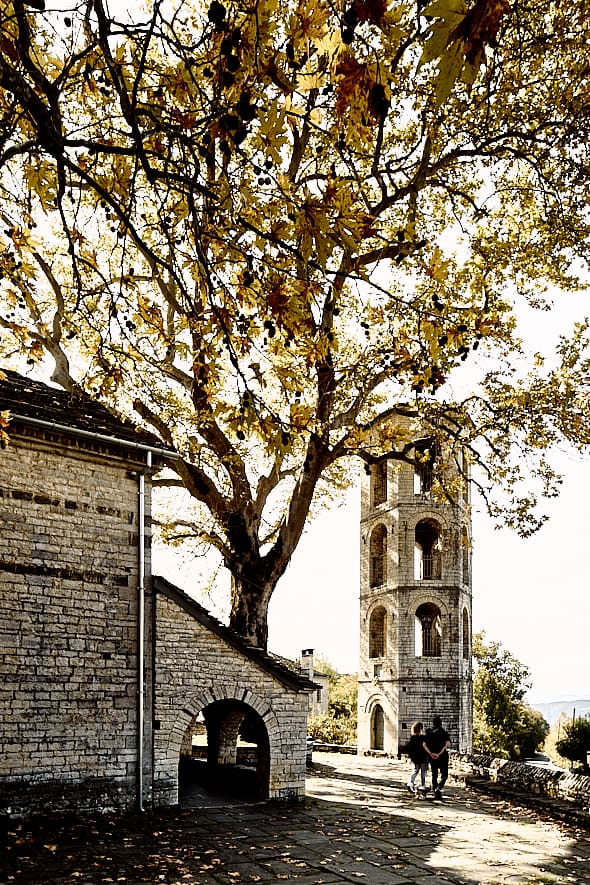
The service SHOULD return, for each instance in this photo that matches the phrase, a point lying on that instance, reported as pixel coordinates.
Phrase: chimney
(307, 662)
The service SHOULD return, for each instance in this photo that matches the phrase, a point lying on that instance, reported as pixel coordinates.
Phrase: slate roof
(26, 398)
(270, 663)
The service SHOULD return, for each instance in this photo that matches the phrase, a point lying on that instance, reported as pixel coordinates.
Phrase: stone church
(415, 600)
(107, 672)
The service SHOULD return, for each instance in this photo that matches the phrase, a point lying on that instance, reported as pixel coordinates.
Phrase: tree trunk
(254, 577)
(249, 611)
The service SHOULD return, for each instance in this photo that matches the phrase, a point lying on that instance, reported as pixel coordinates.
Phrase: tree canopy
(503, 724)
(575, 744)
(264, 230)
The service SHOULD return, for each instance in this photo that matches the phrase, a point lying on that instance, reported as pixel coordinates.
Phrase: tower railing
(431, 567)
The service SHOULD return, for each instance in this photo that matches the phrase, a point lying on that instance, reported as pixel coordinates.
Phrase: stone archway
(229, 712)
(235, 761)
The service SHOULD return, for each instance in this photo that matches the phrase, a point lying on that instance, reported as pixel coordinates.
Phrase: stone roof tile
(27, 398)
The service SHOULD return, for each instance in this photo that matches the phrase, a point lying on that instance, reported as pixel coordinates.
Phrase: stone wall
(197, 669)
(562, 786)
(68, 625)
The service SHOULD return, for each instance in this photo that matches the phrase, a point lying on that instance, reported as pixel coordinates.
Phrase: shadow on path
(357, 825)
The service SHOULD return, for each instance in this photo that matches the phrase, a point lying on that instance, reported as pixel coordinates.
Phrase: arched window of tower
(428, 641)
(465, 634)
(425, 453)
(465, 554)
(377, 633)
(379, 483)
(378, 556)
(427, 549)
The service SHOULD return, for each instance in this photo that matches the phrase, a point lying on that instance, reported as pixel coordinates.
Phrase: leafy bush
(338, 725)
(555, 735)
(502, 724)
(332, 730)
(576, 744)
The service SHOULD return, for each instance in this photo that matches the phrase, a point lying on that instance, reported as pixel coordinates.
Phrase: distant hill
(553, 710)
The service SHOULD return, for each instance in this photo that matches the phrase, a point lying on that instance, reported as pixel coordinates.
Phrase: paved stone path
(359, 825)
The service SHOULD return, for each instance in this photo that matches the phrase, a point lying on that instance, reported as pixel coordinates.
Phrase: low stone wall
(321, 747)
(54, 796)
(520, 777)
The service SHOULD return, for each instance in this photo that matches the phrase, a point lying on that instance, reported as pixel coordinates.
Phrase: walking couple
(432, 748)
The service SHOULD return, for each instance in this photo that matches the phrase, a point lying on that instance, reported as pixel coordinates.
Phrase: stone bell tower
(415, 598)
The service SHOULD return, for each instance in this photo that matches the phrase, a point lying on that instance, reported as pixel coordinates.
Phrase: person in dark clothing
(436, 745)
(418, 756)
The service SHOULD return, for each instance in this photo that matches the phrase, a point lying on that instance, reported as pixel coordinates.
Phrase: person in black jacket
(418, 756)
(436, 745)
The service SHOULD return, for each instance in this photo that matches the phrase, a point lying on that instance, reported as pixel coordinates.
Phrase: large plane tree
(265, 229)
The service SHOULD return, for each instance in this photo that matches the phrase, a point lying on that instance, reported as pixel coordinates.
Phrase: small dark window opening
(425, 453)
(377, 626)
(428, 553)
(428, 631)
(465, 555)
(465, 636)
(379, 483)
(378, 556)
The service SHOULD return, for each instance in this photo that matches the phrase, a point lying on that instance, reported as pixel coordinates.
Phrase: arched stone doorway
(225, 752)
(377, 728)
(203, 668)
